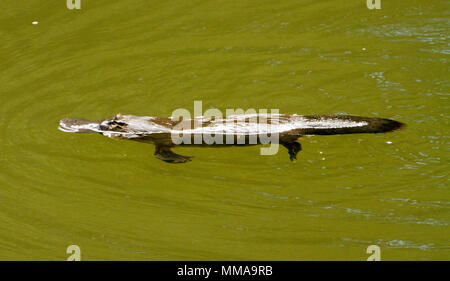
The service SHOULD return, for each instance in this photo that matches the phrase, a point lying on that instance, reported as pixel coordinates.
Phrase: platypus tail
(347, 124)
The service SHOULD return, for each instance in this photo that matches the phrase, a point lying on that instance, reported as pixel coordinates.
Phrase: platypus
(236, 130)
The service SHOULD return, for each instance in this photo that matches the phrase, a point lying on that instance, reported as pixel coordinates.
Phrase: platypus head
(75, 125)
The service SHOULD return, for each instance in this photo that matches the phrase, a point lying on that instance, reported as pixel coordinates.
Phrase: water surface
(117, 202)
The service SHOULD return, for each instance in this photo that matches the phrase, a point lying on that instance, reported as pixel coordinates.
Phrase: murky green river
(115, 201)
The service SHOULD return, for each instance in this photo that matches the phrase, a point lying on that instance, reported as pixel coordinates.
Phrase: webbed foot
(293, 148)
(165, 154)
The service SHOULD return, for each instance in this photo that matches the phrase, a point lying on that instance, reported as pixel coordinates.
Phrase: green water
(117, 202)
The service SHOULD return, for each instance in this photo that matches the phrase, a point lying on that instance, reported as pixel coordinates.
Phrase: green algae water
(115, 201)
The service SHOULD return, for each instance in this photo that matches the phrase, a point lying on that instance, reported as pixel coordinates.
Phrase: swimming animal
(236, 130)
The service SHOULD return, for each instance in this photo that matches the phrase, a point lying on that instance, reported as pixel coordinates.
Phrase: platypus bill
(239, 128)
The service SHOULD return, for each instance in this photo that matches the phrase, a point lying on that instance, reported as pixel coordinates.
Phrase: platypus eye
(109, 125)
(114, 125)
(104, 126)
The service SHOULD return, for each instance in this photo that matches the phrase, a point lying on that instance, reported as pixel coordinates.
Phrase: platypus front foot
(293, 148)
(165, 154)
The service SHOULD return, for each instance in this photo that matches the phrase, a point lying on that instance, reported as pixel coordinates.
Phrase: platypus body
(244, 129)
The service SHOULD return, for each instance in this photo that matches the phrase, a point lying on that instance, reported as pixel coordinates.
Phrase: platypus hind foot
(293, 148)
(165, 154)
